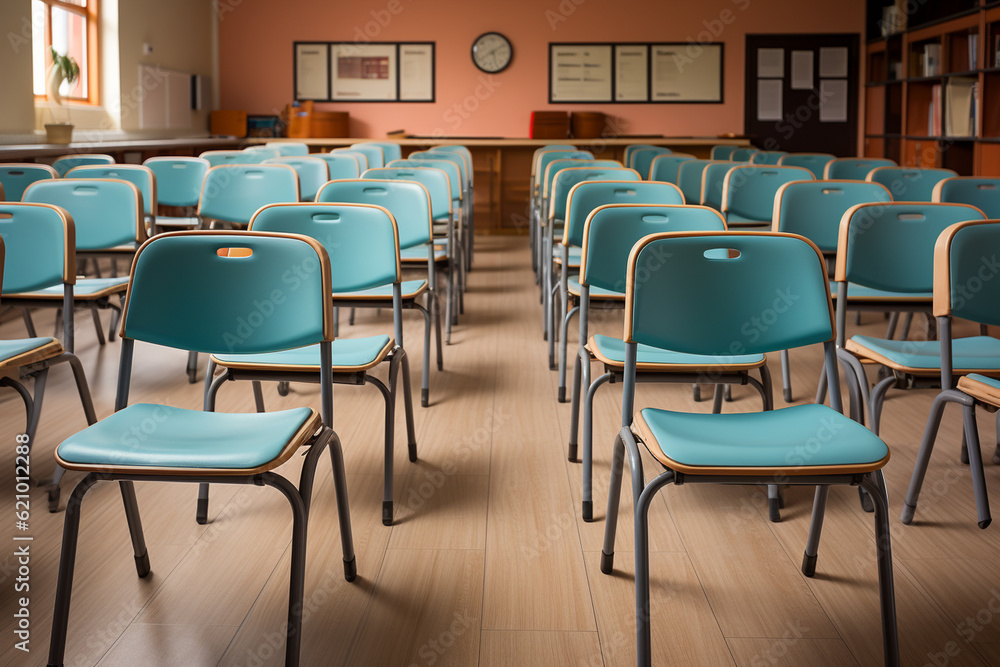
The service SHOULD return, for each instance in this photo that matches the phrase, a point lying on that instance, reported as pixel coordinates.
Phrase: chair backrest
(854, 168)
(360, 239)
(106, 213)
(546, 157)
(263, 152)
(66, 162)
(340, 166)
(458, 150)
(178, 179)
(312, 171)
(376, 158)
(965, 267)
(891, 246)
(586, 196)
(695, 292)
(814, 209)
(15, 177)
(288, 148)
(767, 157)
(612, 230)
(229, 302)
(390, 150)
(408, 201)
(724, 152)
(743, 154)
(234, 192)
(216, 158)
(814, 162)
(748, 191)
(631, 148)
(642, 158)
(689, 175)
(665, 167)
(138, 175)
(360, 156)
(544, 149)
(983, 193)
(435, 180)
(445, 156)
(713, 176)
(41, 247)
(447, 166)
(907, 184)
(554, 167)
(565, 179)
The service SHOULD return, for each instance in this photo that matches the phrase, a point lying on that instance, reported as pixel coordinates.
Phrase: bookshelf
(932, 92)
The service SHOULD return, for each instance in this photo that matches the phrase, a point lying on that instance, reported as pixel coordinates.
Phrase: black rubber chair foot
(696, 392)
(282, 389)
(727, 394)
(412, 447)
(773, 510)
(201, 515)
(562, 394)
(788, 395)
(142, 565)
(552, 364)
(607, 562)
(985, 523)
(866, 501)
(53, 493)
(808, 565)
(571, 455)
(906, 516)
(588, 510)
(386, 512)
(350, 569)
(996, 456)
(192, 376)
(963, 456)
(424, 397)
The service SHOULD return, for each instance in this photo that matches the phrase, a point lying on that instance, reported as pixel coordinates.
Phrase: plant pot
(58, 133)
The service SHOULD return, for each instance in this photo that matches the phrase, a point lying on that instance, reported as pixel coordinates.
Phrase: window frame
(91, 16)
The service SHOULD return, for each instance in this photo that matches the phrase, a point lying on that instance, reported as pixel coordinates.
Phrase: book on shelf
(973, 51)
(932, 60)
(934, 112)
(959, 112)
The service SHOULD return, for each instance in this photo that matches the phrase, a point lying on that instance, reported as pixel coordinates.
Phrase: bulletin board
(364, 72)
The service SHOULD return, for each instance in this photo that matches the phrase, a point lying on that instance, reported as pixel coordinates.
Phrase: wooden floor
(489, 562)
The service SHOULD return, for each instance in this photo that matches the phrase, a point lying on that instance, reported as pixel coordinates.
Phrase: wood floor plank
(505, 648)
(170, 645)
(791, 650)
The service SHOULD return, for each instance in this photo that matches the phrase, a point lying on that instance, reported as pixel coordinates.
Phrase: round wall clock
(492, 52)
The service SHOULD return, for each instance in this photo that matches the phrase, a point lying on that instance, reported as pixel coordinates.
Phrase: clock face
(492, 52)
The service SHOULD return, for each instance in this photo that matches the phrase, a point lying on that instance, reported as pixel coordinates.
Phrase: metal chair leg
(588, 447)
(574, 419)
(141, 554)
(564, 334)
(411, 438)
(389, 442)
(983, 518)
(875, 485)
(28, 323)
(343, 509)
(258, 396)
(425, 380)
(786, 376)
(436, 299)
(815, 529)
(192, 367)
(97, 325)
(642, 612)
(297, 568)
(614, 499)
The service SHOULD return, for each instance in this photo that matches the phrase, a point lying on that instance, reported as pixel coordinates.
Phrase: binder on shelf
(932, 59)
(934, 112)
(973, 51)
(959, 107)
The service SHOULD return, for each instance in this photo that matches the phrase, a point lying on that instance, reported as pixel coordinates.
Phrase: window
(70, 26)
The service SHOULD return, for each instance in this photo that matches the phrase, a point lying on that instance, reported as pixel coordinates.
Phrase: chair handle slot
(624, 192)
(832, 191)
(85, 190)
(234, 252)
(16, 172)
(375, 191)
(4, 215)
(911, 217)
(981, 186)
(326, 217)
(721, 254)
(655, 217)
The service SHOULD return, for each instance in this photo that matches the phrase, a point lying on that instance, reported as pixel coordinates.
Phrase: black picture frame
(331, 47)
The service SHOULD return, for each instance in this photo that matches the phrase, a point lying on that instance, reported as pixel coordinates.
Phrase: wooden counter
(144, 147)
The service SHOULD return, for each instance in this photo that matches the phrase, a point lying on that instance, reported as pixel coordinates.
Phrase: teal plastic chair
(748, 192)
(665, 168)
(743, 154)
(28, 230)
(890, 248)
(854, 168)
(767, 157)
(178, 184)
(537, 206)
(631, 148)
(910, 184)
(359, 156)
(232, 193)
(313, 173)
(983, 193)
(140, 176)
(814, 162)
(288, 148)
(534, 196)
(748, 448)
(376, 158)
(723, 152)
(262, 153)
(339, 166)
(713, 176)
(641, 159)
(410, 206)
(363, 246)
(390, 150)
(689, 175)
(195, 309)
(66, 162)
(219, 158)
(959, 266)
(16, 177)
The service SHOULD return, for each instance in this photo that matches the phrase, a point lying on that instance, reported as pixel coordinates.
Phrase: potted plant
(64, 68)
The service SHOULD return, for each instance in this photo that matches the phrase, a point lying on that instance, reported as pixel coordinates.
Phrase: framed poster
(364, 72)
(312, 71)
(686, 72)
(631, 73)
(580, 73)
(416, 72)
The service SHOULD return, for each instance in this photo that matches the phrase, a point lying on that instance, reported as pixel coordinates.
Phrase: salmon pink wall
(255, 54)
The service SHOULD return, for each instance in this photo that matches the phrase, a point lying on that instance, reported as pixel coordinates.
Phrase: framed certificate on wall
(580, 73)
(686, 72)
(363, 72)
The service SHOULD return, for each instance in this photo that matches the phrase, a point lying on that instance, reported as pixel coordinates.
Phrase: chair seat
(800, 440)
(574, 288)
(923, 357)
(87, 289)
(123, 249)
(981, 388)
(575, 255)
(861, 293)
(349, 355)
(418, 253)
(24, 351)
(145, 438)
(411, 289)
(165, 221)
(611, 352)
